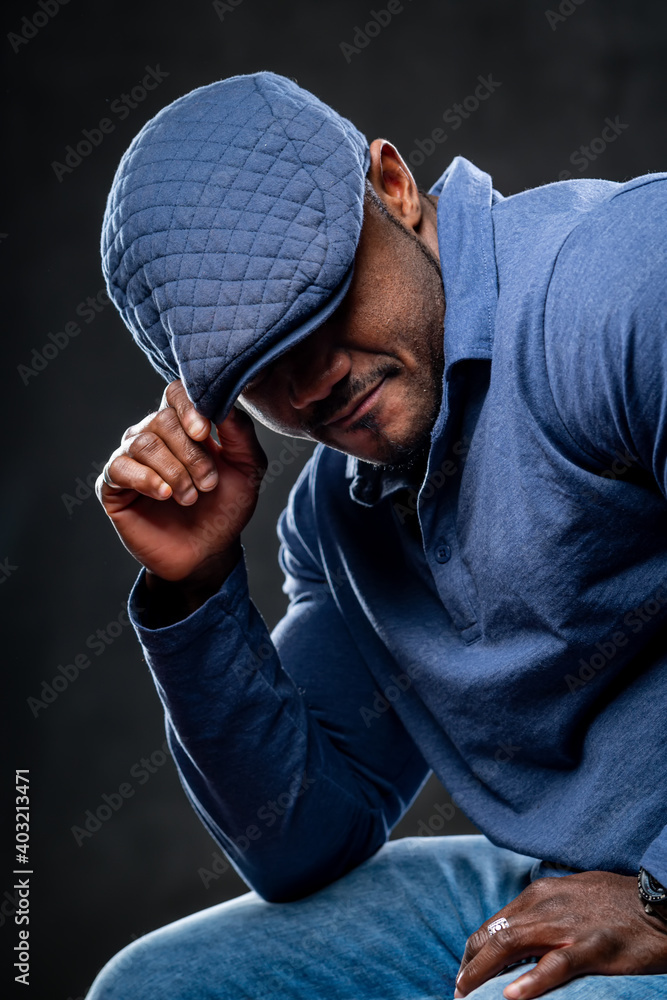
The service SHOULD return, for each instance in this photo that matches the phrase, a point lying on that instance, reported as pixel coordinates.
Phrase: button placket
(437, 519)
(443, 552)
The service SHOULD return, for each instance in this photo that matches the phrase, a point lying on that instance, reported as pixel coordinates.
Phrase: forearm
(287, 805)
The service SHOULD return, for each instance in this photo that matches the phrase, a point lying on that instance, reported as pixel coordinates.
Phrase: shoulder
(613, 243)
(606, 313)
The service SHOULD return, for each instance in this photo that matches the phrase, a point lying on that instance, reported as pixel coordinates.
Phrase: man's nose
(314, 373)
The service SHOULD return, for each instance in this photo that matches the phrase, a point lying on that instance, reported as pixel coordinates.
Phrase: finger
(507, 946)
(474, 944)
(481, 937)
(197, 426)
(107, 480)
(150, 451)
(164, 445)
(555, 968)
(512, 913)
(131, 475)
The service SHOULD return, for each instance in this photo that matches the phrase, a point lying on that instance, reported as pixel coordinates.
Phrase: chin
(388, 452)
(406, 459)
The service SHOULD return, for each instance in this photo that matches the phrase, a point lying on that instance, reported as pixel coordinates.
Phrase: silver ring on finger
(108, 480)
(500, 924)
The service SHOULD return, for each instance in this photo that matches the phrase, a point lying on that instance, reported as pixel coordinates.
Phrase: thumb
(238, 439)
(235, 428)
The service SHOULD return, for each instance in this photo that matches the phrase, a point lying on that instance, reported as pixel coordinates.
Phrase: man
(475, 556)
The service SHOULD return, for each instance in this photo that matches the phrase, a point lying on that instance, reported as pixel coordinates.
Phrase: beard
(403, 457)
(406, 460)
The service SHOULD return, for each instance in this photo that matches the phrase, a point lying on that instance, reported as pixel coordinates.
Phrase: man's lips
(357, 409)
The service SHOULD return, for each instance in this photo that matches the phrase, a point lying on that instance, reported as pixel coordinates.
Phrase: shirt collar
(370, 484)
(470, 280)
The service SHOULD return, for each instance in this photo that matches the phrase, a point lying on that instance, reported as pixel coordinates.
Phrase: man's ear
(394, 184)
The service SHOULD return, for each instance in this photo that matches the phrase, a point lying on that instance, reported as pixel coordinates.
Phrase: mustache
(347, 390)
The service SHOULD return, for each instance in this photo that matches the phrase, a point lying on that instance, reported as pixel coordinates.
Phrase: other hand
(591, 923)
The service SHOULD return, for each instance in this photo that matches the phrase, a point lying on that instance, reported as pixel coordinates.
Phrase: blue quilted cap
(230, 230)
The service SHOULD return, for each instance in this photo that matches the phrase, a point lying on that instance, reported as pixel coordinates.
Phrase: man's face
(368, 382)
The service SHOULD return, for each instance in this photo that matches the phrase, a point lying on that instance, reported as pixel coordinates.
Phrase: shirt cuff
(551, 869)
(655, 858)
(228, 600)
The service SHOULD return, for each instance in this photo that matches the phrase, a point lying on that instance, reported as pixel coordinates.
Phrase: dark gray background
(559, 81)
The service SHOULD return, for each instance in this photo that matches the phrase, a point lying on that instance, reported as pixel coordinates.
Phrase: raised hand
(182, 499)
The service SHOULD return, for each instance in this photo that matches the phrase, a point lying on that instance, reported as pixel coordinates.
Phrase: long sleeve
(267, 733)
(607, 354)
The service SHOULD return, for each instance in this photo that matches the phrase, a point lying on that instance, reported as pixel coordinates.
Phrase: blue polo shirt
(502, 622)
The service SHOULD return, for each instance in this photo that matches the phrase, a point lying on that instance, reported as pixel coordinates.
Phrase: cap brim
(294, 337)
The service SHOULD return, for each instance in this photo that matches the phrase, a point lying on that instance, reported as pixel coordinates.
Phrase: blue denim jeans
(394, 928)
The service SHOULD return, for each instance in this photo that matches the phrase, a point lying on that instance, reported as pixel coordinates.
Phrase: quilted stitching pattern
(232, 220)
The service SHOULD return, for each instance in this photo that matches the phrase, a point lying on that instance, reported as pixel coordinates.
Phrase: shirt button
(442, 553)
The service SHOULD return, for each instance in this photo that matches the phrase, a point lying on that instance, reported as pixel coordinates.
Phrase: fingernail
(210, 480)
(190, 496)
(197, 426)
(513, 991)
(164, 490)
(457, 995)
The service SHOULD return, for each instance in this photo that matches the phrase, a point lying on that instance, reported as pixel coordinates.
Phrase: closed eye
(259, 377)
(254, 382)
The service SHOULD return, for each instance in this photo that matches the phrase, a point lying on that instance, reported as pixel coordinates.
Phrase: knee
(141, 971)
(180, 960)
